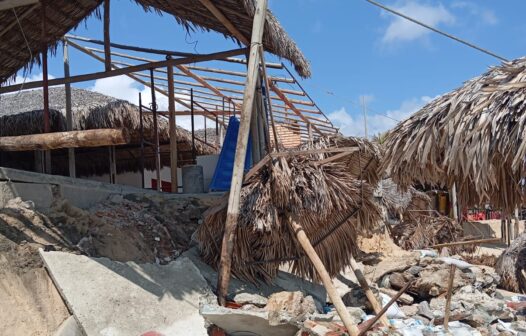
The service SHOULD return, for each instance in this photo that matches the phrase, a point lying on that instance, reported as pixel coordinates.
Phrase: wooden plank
(9, 4)
(468, 242)
(122, 71)
(69, 139)
(332, 158)
(227, 246)
(316, 151)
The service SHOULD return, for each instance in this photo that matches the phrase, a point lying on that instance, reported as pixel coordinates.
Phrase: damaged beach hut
(21, 114)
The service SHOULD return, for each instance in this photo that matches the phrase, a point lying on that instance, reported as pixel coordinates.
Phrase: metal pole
(69, 113)
(141, 128)
(156, 133)
(192, 116)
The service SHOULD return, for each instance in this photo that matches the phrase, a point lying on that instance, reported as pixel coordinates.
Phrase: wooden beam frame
(10, 4)
(122, 71)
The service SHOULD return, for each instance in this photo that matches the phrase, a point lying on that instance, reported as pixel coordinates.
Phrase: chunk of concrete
(241, 322)
(254, 299)
(116, 299)
(69, 327)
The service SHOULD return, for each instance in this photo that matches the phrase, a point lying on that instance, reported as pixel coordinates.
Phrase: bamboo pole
(377, 307)
(241, 149)
(156, 135)
(448, 296)
(324, 276)
(45, 83)
(468, 242)
(172, 127)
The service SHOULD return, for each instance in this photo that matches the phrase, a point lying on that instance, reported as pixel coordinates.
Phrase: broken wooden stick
(372, 321)
(448, 296)
(468, 242)
(324, 276)
(377, 307)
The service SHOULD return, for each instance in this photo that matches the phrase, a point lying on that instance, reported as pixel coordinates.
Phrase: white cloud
(487, 15)
(376, 122)
(125, 88)
(20, 79)
(400, 29)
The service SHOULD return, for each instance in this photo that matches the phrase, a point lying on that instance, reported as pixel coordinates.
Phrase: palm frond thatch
(398, 201)
(511, 266)
(472, 136)
(319, 196)
(64, 15)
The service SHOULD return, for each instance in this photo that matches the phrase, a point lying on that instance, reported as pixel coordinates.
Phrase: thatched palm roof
(64, 15)
(472, 136)
(319, 196)
(21, 114)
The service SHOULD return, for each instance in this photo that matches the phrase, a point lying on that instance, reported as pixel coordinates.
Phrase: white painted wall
(208, 162)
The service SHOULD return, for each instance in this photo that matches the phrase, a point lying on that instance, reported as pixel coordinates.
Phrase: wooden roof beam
(225, 21)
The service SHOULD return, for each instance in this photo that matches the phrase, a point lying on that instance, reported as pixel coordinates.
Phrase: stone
(315, 328)
(244, 322)
(425, 310)
(248, 298)
(357, 315)
(288, 307)
(69, 327)
(414, 270)
(114, 298)
(405, 299)
(411, 310)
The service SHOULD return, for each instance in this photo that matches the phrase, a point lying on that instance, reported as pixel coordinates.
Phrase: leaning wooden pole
(241, 150)
(173, 133)
(69, 112)
(377, 307)
(324, 276)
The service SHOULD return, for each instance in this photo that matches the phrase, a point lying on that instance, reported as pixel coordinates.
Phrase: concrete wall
(208, 162)
(42, 189)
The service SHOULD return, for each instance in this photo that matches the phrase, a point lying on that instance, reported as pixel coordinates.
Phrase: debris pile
(420, 231)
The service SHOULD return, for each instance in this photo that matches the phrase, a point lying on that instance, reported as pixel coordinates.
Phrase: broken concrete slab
(118, 299)
(69, 327)
(283, 281)
(245, 322)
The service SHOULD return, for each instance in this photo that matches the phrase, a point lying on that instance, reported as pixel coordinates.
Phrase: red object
(233, 305)
(165, 185)
(152, 333)
(216, 331)
(516, 305)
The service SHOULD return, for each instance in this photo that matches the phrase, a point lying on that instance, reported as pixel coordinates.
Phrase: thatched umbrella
(472, 136)
(318, 195)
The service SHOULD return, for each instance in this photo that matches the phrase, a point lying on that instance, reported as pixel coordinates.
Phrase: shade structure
(472, 137)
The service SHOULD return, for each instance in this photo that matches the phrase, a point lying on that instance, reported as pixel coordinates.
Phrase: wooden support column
(156, 134)
(45, 84)
(241, 150)
(454, 204)
(141, 131)
(173, 128)
(269, 100)
(107, 47)
(69, 113)
(113, 165)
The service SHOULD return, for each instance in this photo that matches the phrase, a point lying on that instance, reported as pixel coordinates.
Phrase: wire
(469, 44)
(28, 48)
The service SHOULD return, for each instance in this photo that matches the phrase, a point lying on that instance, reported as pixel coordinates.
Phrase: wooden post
(448, 295)
(113, 165)
(45, 84)
(377, 307)
(309, 130)
(193, 123)
(156, 134)
(241, 150)
(173, 129)
(69, 113)
(516, 223)
(269, 100)
(141, 131)
(254, 131)
(454, 202)
(324, 276)
(107, 47)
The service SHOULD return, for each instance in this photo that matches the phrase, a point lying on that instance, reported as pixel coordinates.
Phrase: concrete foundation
(193, 180)
(120, 299)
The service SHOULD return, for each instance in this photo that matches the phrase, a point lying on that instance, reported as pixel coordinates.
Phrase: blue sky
(355, 49)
